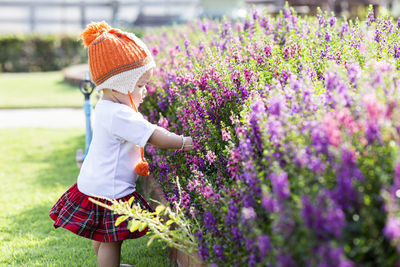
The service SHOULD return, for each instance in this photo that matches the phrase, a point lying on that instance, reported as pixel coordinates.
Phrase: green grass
(36, 167)
(37, 90)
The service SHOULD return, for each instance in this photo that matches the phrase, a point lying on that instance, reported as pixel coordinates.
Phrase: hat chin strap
(142, 168)
(131, 100)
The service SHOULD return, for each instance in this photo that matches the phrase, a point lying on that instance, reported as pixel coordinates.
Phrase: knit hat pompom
(94, 30)
(142, 169)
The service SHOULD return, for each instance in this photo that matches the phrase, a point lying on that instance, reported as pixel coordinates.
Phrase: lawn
(37, 90)
(36, 167)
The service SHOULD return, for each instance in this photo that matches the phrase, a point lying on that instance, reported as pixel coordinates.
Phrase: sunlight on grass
(41, 89)
(36, 167)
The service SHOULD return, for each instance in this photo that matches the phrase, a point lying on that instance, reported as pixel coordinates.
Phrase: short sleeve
(132, 127)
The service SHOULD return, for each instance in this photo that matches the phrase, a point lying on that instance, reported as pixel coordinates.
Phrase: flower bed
(296, 130)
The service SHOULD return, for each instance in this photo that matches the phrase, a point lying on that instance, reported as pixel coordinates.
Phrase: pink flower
(238, 27)
(190, 186)
(346, 119)
(207, 192)
(196, 183)
(185, 199)
(150, 90)
(234, 120)
(163, 122)
(226, 135)
(374, 108)
(392, 228)
(332, 129)
(155, 50)
(211, 156)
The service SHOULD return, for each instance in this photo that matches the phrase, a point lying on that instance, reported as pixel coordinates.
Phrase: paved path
(42, 118)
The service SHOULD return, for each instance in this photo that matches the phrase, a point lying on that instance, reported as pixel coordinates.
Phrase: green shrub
(23, 53)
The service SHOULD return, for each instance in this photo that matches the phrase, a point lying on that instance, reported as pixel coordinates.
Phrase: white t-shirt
(118, 134)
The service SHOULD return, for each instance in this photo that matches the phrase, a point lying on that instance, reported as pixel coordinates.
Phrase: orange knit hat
(117, 59)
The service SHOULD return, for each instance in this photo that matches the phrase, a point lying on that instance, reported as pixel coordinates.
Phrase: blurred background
(70, 16)
(40, 50)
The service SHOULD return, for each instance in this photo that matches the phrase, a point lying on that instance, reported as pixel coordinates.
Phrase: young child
(121, 65)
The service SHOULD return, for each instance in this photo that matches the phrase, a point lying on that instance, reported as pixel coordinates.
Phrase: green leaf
(120, 219)
(151, 240)
(160, 209)
(134, 226)
(169, 222)
(142, 226)
(130, 201)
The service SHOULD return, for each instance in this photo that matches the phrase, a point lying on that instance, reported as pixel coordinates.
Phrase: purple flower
(378, 36)
(252, 260)
(201, 47)
(233, 210)
(268, 50)
(248, 200)
(396, 51)
(204, 28)
(370, 18)
(344, 29)
(329, 256)
(372, 133)
(275, 105)
(285, 259)
(275, 129)
(332, 21)
(268, 203)
(203, 253)
(321, 20)
(396, 181)
(203, 250)
(280, 185)
(319, 139)
(219, 252)
(286, 13)
(325, 218)
(258, 109)
(255, 15)
(237, 235)
(327, 37)
(264, 245)
(209, 221)
(246, 25)
(187, 47)
(354, 72)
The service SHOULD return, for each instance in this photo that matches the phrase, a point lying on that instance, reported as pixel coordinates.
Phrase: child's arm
(165, 139)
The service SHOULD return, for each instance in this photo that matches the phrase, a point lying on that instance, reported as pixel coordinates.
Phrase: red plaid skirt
(75, 212)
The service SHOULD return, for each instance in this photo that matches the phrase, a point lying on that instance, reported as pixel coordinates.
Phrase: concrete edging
(151, 189)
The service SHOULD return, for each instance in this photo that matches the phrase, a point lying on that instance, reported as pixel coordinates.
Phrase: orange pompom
(94, 30)
(142, 169)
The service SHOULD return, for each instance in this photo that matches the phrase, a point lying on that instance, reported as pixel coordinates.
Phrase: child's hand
(188, 144)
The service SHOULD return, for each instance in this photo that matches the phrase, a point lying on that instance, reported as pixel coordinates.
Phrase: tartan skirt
(76, 213)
